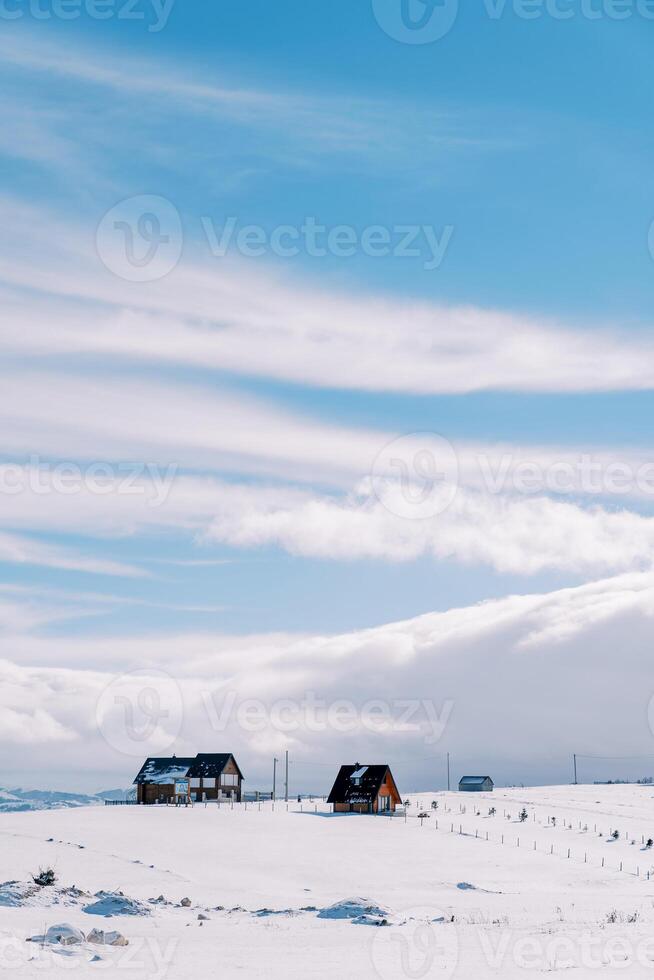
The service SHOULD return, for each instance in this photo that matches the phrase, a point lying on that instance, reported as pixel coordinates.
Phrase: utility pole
(448, 772)
(286, 780)
(574, 758)
(275, 761)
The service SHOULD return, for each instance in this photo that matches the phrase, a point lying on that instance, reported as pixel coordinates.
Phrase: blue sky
(519, 133)
(268, 387)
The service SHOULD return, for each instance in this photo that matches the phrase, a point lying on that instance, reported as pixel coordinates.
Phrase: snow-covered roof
(211, 764)
(369, 780)
(164, 771)
(169, 776)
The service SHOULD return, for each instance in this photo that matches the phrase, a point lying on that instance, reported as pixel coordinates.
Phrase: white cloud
(297, 129)
(116, 418)
(19, 550)
(507, 533)
(32, 728)
(539, 671)
(224, 316)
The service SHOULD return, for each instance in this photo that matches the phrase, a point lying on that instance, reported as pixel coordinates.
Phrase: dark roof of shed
(154, 768)
(211, 764)
(345, 791)
(474, 779)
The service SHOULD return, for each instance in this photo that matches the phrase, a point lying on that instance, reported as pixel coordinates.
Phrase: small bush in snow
(523, 815)
(45, 877)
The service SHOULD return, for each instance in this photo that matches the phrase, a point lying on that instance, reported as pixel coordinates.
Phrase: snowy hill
(474, 889)
(22, 800)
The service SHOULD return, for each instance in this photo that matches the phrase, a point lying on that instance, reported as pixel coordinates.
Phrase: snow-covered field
(305, 893)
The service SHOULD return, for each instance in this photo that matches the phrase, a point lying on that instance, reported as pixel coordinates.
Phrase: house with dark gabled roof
(476, 784)
(364, 789)
(207, 776)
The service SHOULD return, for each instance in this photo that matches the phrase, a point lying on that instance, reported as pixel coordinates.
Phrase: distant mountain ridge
(18, 800)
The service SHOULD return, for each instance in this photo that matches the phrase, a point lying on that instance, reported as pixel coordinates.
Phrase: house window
(209, 783)
(229, 779)
(356, 780)
(195, 783)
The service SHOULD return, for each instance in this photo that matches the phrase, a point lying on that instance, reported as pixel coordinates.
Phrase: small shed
(476, 784)
(364, 789)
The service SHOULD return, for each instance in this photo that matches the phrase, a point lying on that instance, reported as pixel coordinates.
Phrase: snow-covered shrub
(45, 878)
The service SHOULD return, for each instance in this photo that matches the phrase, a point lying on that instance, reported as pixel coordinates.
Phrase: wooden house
(364, 789)
(207, 776)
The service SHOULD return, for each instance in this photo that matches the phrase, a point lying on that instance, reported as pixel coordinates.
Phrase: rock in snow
(62, 935)
(100, 938)
(115, 903)
(16, 893)
(360, 910)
